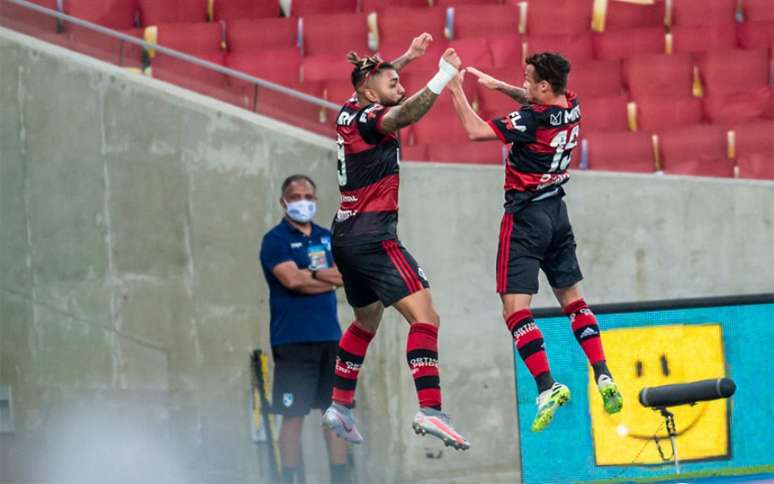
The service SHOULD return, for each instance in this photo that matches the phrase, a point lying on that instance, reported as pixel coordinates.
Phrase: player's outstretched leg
(352, 350)
(531, 347)
(586, 329)
(422, 357)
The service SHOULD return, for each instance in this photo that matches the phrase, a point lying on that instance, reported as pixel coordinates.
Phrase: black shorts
(378, 271)
(303, 377)
(537, 237)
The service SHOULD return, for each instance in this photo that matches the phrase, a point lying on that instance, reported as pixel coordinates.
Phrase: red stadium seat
(758, 10)
(202, 40)
(29, 21)
(756, 165)
(620, 151)
(756, 35)
(729, 108)
(427, 64)
(656, 115)
(755, 137)
(695, 150)
(704, 12)
(414, 153)
(629, 43)
(325, 67)
(604, 113)
(245, 9)
(338, 90)
(350, 33)
(733, 70)
(280, 66)
(703, 38)
(595, 78)
(439, 125)
(295, 111)
(456, 3)
(153, 12)
(254, 35)
(575, 48)
(302, 8)
(558, 17)
(507, 51)
(398, 26)
(474, 52)
(485, 20)
(119, 15)
(660, 74)
(624, 15)
(368, 6)
(480, 153)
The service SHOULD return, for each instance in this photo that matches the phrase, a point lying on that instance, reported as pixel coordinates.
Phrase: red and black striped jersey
(543, 137)
(368, 166)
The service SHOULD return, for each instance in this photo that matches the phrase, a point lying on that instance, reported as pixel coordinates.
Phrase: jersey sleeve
(516, 127)
(274, 251)
(369, 119)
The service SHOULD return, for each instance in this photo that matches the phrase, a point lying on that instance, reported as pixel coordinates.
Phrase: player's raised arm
(518, 94)
(476, 128)
(416, 50)
(420, 103)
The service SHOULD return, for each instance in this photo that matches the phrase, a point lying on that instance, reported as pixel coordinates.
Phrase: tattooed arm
(417, 49)
(409, 112)
(518, 94)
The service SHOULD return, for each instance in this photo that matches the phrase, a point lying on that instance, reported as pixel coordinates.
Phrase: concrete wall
(130, 294)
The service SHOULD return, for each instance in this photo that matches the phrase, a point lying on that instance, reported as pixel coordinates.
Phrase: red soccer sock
(529, 342)
(584, 325)
(422, 357)
(349, 358)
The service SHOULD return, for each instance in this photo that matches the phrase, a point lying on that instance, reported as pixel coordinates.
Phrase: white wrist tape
(446, 73)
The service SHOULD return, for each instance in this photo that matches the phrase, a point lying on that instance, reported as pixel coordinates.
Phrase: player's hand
(452, 58)
(455, 85)
(485, 80)
(419, 45)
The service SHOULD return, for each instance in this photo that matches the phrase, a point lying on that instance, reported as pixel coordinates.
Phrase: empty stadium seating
(634, 61)
(153, 12)
(253, 35)
(624, 15)
(244, 9)
(620, 151)
(485, 20)
(301, 8)
(659, 74)
(612, 45)
(695, 150)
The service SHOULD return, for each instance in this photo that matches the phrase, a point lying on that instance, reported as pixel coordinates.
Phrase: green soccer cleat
(547, 403)
(611, 397)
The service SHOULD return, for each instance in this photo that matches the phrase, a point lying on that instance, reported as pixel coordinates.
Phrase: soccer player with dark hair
(377, 270)
(535, 232)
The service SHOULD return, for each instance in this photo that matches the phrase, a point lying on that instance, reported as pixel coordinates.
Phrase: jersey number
(561, 143)
(342, 161)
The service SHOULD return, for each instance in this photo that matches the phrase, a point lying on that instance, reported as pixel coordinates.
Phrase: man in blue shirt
(298, 266)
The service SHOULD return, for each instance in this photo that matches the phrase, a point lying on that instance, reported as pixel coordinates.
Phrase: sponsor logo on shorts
(287, 399)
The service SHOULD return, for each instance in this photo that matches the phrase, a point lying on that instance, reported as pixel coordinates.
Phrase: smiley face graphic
(652, 356)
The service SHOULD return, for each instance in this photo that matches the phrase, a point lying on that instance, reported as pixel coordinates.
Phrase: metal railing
(177, 54)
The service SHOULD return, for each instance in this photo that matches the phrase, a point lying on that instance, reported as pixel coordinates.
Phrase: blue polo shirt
(296, 317)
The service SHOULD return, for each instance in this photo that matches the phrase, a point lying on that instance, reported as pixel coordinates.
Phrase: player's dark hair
(552, 68)
(295, 178)
(366, 67)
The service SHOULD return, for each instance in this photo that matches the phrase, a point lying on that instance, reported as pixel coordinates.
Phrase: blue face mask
(301, 211)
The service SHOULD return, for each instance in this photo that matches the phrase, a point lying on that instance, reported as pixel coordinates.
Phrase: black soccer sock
(600, 368)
